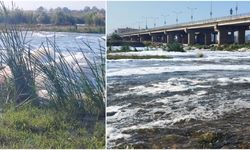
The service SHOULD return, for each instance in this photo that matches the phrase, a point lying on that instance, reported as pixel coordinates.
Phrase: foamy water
(160, 93)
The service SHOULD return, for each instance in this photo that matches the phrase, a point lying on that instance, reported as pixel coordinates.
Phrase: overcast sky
(73, 4)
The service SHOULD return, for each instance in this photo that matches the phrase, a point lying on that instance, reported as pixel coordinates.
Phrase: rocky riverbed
(184, 102)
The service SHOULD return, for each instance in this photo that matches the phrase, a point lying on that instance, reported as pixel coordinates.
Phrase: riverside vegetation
(58, 19)
(71, 111)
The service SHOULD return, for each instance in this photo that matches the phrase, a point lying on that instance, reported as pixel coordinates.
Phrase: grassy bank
(62, 28)
(32, 127)
(115, 57)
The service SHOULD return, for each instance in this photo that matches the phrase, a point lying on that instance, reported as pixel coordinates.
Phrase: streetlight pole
(165, 19)
(155, 19)
(139, 24)
(192, 12)
(146, 22)
(177, 15)
(236, 8)
(211, 10)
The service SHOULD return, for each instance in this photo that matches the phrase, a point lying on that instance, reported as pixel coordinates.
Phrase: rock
(111, 113)
(243, 49)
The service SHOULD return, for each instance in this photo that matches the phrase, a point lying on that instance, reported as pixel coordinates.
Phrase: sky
(73, 4)
(134, 13)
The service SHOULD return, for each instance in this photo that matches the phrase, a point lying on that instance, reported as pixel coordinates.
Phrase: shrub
(177, 47)
(125, 48)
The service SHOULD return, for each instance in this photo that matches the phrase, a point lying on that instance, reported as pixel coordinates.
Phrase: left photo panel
(52, 74)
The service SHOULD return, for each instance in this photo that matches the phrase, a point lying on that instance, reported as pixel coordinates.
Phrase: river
(160, 93)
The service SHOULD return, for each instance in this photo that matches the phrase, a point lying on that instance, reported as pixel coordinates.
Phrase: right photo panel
(178, 74)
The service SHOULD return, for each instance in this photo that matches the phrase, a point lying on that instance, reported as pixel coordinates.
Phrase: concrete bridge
(213, 31)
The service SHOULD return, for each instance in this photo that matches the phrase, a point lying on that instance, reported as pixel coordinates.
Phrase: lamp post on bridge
(165, 19)
(139, 24)
(146, 22)
(155, 19)
(177, 13)
(211, 10)
(236, 8)
(192, 12)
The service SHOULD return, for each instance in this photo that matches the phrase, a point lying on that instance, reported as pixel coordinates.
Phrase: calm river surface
(160, 93)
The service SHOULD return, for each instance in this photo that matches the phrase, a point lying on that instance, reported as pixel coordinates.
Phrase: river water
(66, 40)
(157, 93)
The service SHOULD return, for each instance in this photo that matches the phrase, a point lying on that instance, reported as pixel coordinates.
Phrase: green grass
(137, 57)
(62, 28)
(123, 50)
(32, 127)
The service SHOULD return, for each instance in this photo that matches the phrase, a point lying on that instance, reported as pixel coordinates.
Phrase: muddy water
(153, 97)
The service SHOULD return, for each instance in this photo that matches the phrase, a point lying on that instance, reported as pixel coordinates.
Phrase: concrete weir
(205, 32)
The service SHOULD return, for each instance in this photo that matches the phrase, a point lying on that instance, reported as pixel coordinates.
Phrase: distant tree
(65, 10)
(43, 18)
(86, 9)
(59, 16)
(94, 9)
(40, 9)
(115, 37)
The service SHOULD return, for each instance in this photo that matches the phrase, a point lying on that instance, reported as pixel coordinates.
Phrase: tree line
(58, 16)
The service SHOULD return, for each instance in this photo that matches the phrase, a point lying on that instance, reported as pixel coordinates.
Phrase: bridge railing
(224, 18)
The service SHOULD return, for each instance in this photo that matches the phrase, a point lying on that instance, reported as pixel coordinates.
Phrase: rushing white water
(161, 92)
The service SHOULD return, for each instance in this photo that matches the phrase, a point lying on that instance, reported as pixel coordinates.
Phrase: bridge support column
(153, 38)
(179, 38)
(200, 38)
(191, 38)
(184, 38)
(145, 37)
(207, 38)
(131, 39)
(222, 36)
(241, 36)
(163, 38)
(141, 39)
(170, 38)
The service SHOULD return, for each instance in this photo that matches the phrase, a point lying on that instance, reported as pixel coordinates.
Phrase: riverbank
(32, 127)
(63, 28)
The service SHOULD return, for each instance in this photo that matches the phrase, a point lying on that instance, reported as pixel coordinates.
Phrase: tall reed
(77, 86)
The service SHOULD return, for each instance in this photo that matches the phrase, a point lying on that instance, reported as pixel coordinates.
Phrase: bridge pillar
(184, 38)
(153, 38)
(145, 37)
(191, 38)
(241, 36)
(200, 38)
(163, 38)
(170, 38)
(207, 38)
(214, 38)
(179, 38)
(222, 36)
(131, 39)
(134, 39)
(141, 39)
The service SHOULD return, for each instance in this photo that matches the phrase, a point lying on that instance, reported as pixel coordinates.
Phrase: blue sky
(133, 13)
(72, 4)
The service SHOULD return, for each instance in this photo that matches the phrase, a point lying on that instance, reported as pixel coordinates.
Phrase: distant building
(123, 30)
